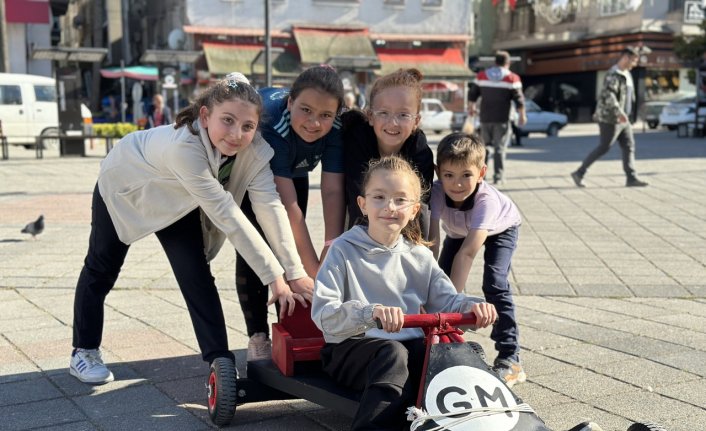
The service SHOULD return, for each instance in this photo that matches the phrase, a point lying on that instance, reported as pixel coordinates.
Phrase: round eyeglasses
(399, 117)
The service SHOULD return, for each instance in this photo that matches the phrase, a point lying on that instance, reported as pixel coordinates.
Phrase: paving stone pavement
(610, 286)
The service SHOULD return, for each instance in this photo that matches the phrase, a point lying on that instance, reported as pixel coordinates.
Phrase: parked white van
(28, 108)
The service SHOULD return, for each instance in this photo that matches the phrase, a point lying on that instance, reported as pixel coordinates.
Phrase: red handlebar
(438, 320)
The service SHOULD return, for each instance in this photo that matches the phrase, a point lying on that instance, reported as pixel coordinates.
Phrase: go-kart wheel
(646, 426)
(478, 349)
(222, 392)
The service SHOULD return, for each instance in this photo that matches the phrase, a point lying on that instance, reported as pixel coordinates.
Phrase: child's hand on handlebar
(485, 314)
(390, 319)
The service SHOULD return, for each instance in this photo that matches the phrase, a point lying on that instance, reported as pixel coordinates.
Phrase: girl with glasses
(389, 126)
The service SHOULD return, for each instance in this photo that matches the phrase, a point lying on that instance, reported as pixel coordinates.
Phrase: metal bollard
(39, 147)
(5, 148)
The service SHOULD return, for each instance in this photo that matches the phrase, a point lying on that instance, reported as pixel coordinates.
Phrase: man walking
(497, 88)
(615, 104)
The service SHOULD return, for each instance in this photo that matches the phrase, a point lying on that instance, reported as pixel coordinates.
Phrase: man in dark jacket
(615, 104)
(497, 88)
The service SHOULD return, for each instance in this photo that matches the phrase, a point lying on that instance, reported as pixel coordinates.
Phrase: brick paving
(610, 287)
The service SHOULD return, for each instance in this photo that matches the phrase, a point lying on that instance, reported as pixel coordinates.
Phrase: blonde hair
(413, 230)
(410, 78)
(462, 149)
(233, 86)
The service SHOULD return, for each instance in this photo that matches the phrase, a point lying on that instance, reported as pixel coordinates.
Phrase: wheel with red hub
(222, 392)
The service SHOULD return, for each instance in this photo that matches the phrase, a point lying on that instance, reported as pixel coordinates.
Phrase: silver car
(542, 121)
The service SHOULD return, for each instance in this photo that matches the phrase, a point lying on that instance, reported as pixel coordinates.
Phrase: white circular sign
(463, 387)
(169, 80)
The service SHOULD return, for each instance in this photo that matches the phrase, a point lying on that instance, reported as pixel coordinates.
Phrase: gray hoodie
(359, 273)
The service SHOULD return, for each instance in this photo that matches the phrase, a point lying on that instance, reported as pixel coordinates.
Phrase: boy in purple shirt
(474, 214)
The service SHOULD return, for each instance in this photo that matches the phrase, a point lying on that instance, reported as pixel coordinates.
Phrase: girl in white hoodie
(155, 181)
(379, 272)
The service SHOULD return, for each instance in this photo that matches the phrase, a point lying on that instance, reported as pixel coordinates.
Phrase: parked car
(435, 117)
(28, 108)
(542, 121)
(680, 111)
(651, 111)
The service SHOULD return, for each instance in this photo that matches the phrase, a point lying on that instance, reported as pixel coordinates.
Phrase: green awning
(225, 58)
(342, 48)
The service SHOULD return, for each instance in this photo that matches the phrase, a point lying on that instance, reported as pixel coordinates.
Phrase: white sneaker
(259, 347)
(87, 366)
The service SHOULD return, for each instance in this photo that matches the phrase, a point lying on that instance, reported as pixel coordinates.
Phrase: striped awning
(140, 73)
(435, 64)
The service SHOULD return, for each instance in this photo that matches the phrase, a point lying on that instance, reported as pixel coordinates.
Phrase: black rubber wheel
(646, 426)
(478, 349)
(652, 124)
(50, 144)
(553, 129)
(222, 391)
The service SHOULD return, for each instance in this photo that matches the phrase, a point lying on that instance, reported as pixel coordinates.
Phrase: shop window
(45, 93)
(661, 84)
(432, 3)
(614, 7)
(676, 5)
(522, 17)
(10, 95)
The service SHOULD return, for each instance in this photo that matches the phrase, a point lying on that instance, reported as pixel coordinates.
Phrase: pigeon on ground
(35, 228)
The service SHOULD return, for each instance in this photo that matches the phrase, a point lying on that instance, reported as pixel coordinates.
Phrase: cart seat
(295, 338)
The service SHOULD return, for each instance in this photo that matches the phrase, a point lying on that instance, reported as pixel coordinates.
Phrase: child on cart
(379, 271)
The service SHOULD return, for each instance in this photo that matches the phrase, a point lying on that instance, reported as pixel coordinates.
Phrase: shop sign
(693, 12)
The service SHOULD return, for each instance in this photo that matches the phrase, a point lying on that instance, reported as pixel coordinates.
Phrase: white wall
(452, 18)
(17, 58)
(39, 35)
(19, 38)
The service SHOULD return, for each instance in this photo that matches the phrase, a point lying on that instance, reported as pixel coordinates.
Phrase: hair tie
(327, 66)
(235, 78)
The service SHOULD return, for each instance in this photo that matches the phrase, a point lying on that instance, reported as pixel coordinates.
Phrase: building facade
(24, 23)
(566, 47)
(362, 39)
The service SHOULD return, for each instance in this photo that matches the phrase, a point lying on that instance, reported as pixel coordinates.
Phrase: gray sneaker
(578, 179)
(634, 182)
(509, 371)
(259, 347)
(87, 366)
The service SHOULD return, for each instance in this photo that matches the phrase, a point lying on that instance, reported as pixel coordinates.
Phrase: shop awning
(435, 64)
(439, 86)
(225, 58)
(341, 48)
(140, 73)
(27, 11)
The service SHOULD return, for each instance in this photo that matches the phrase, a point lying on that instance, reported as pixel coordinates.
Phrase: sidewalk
(610, 286)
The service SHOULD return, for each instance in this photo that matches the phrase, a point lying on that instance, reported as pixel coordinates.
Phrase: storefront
(568, 78)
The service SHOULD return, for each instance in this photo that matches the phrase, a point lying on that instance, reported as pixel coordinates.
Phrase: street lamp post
(268, 46)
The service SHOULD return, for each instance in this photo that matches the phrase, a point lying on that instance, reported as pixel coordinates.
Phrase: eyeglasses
(382, 201)
(400, 117)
